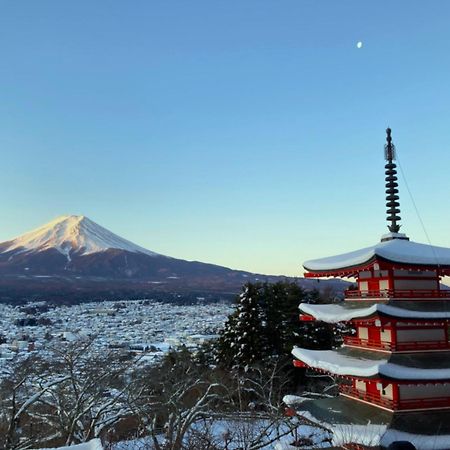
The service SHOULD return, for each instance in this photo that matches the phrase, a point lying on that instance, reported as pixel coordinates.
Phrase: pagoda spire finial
(392, 198)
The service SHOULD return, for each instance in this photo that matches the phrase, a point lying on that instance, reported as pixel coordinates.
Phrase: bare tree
(19, 394)
(93, 396)
(173, 398)
(183, 406)
(72, 396)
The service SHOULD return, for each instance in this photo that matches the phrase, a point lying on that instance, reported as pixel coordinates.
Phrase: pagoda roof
(351, 420)
(333, 313)
(401, 251)
(342, 410)
(368, 364)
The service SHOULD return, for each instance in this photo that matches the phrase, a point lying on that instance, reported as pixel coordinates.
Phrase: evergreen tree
(266, 324)
(244, 339)
(280, 302)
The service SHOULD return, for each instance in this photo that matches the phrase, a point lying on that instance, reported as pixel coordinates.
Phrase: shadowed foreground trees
(76, 394)
(69, 397)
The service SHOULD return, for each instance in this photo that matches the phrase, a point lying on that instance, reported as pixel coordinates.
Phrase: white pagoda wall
(421, 335)
(406, 285)
(409, 392)
(415, 273)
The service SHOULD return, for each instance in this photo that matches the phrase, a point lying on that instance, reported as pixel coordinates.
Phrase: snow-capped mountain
(77, 247)
(71, 234)
(73, 257)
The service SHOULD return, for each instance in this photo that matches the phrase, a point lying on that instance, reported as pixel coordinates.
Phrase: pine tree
(244, 340)
(280, 302)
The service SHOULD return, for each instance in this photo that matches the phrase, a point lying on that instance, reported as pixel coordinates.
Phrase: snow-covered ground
(94, 444)
(240, 433)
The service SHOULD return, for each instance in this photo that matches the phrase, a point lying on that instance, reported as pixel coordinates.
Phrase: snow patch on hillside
(69, 234)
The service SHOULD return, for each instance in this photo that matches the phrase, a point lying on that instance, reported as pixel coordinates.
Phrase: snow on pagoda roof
(356, 364)
(339, 313)
(359, 423)
(395, 250)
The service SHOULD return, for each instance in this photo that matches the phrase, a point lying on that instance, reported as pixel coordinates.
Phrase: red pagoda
(394, 371)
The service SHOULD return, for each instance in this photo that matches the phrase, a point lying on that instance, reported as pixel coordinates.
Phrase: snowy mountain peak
(72, 234)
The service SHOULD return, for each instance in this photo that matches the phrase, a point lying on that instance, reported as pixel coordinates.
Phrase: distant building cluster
(135, 326)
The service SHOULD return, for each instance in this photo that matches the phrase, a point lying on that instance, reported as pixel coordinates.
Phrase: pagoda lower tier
(360, 423)
(406, 382)
(398, 326)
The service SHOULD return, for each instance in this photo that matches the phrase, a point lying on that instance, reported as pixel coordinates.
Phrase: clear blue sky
(244, 133)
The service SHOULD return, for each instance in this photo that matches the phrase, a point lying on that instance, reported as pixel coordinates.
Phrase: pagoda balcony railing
(424, 403)
(398, 346)
(397, 293)
(402, 404)
(421, 345)
(367, 397)
(367, 343)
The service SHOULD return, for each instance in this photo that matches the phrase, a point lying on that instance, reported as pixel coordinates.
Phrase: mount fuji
(77, 246)
(70, 235)
(74, 256)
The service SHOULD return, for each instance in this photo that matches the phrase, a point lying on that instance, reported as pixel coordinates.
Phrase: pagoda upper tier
(398, 253)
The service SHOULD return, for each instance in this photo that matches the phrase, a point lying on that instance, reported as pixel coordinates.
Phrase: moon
(359, 44)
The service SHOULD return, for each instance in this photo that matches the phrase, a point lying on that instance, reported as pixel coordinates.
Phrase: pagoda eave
(356, 422)
(360, 363)
(385, 263)
(340, 313)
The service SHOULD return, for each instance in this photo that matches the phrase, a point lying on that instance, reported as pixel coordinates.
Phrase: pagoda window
(415, 273)
(360, 385)
(365, 274)
(386, 335)
(412, 284)
(380, 273)
(420, 335)
(387, 392)
(420, 391)
(363, 286)
(363, 333)
(384, 285)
